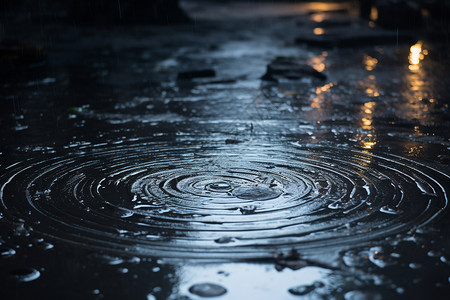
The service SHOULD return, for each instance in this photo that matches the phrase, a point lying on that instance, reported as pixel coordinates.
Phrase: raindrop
(45, 245)
(433, 253)
(96, 291)
(25, 274)
(415, 266)
(150, 297)
(6, 252)
(207, 290)
(445, 260)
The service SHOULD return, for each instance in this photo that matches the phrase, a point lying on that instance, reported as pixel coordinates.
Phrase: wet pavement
(257, 152)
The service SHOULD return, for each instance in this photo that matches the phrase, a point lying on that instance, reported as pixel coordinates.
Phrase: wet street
(261, 151)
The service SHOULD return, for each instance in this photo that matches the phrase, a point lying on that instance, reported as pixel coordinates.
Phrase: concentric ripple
(155, 199)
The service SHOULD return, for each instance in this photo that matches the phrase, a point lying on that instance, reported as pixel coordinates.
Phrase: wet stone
(25, 274)
(290, 69)
(256, 193)
(207, 290)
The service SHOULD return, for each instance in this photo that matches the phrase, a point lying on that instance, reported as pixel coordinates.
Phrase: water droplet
(207, 290)
(302, 290)
(122, 270)
(96, 292)
(256, 193)
(45, 246)
(415, 266)
(25, 274)
(433, 253)
(219, 187)
(6, 252)
(150, 297)
(390, 210)
(156, 269)
(378, 257)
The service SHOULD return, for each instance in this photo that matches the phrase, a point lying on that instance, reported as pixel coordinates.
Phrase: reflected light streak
(316, 101)
(370, 62)
(416, 55)
(368, 140)
(374, 14)
(325, 6)
(369, 86)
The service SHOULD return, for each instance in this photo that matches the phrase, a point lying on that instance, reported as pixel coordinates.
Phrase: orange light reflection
(318, 62)
(369, 62)
(318, 31)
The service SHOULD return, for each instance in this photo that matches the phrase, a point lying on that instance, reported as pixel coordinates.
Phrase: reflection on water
(369, 86)
(262, 281)
(318, 31)
(419, 92)
(318, 18)
(374, 14)
(369, 62)
(317, 101)
(368, 138)
(416, 55)
(326, 6)
(318, 62)
(373, 17)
